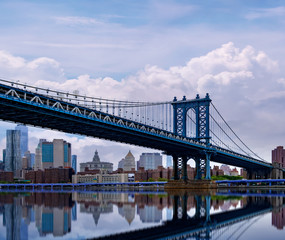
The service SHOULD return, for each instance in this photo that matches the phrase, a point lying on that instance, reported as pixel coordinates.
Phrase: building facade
(96, 164)
(74, 163)
(128, 163)
(24, 140)
(100, 178)
(13, 159)
(149, 161)
(53, 154)
(278, 156)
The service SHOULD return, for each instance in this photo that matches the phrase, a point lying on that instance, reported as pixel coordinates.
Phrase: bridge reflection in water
(193, 215)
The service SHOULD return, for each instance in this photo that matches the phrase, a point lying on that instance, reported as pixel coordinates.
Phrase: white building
(100, 178)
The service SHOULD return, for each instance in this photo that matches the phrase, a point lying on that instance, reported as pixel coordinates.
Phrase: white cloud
(75, 20)
(266, 13)
(241, 82)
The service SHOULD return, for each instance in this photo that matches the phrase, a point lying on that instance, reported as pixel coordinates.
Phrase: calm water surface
(142, 215)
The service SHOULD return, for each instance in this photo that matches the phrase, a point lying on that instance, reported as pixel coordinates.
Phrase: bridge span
(178, 128)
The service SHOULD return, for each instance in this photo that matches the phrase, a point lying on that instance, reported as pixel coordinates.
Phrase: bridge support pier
(184, 168)
(198, 169)
(175, 168)
(208, 170)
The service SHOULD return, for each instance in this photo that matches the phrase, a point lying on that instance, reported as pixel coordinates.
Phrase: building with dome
(96, 164)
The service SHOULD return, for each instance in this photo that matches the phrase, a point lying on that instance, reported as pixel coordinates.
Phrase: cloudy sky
(152, 50)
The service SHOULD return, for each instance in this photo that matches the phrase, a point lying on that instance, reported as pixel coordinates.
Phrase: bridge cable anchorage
(235, 133)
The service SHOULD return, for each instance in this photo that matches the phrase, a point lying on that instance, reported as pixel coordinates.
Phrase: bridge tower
(201, 108)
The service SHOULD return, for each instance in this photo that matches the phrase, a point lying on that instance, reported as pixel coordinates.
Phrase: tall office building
(23, 138)
(150, 161)
(74, 163)
(53, 154)
(13, 159)
(128, 163)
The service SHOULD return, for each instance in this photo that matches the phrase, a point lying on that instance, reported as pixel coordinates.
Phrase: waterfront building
(13, 160)
(50, 175)
(234, 172)
(23, 138)
(128, 163)
(216, 171)
(100, 178)
(74, 163)
(53, 154)
(278, 156)
(149, 161)
(96, 164)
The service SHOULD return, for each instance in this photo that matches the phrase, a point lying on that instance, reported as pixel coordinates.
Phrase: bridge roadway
(31, 108)
(192, 227)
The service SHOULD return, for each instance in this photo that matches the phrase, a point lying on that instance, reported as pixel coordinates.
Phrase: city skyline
(153, 51)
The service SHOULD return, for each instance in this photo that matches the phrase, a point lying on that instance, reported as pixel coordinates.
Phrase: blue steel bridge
(185, 129)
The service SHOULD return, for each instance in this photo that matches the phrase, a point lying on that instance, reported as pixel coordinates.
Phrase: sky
(152, 50)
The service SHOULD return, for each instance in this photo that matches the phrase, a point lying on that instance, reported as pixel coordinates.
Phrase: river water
(142, 215)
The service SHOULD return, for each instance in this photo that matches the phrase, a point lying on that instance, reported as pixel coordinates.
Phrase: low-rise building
(50, 175)
(100, 178)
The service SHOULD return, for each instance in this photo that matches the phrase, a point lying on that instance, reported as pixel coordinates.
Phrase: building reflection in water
(52, 213)
(278, 213)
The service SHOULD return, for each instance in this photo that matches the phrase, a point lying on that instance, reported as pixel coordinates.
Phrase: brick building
(278, 156)
(50, 175)
(6, 176)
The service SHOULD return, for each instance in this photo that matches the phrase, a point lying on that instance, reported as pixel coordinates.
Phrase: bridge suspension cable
(230, 131)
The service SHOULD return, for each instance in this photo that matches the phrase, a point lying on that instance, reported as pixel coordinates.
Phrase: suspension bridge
(185, 129)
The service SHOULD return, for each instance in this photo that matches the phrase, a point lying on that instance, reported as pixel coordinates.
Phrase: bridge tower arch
(201, 109)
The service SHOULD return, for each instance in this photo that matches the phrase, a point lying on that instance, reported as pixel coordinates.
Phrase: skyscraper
(74, 163)
(23, 138)
(13, 159)
(150, 160)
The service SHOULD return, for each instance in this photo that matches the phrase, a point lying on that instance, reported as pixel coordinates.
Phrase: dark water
(138, 215)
